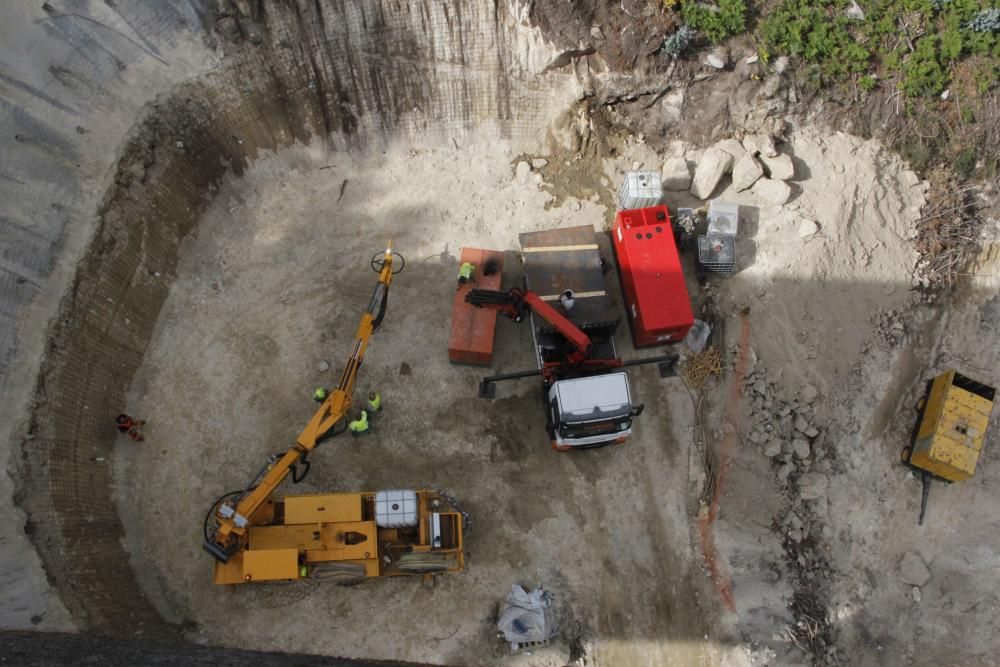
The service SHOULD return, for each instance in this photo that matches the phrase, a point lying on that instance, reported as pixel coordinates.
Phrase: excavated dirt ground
(806, 554)
(274, 283)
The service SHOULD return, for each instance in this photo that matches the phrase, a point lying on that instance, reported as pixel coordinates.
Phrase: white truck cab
(590, 411)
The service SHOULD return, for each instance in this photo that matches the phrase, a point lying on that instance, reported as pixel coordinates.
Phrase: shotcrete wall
(230, 81)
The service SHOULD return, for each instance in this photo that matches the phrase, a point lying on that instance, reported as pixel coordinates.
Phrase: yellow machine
(951, 428)
(348, 536)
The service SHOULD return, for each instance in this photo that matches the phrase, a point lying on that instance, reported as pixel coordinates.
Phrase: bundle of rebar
(700, 367)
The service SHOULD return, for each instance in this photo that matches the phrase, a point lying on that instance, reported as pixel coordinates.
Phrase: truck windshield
(587, 429)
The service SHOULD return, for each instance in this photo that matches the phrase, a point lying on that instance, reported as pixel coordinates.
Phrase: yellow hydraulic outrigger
(233, 511)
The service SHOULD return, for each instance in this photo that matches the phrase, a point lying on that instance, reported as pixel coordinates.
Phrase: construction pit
(195, 193)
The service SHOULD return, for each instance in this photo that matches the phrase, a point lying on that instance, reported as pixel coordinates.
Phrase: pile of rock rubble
(784, 429)
(754, 163)
(889, 326)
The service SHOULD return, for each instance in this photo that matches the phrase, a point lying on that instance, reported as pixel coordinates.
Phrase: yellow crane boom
(237, 508)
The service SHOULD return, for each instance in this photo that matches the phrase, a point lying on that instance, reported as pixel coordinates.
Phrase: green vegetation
(916, 44)
(965, 163)
(867, 82)
(906, 51)
(678, 42)
(729, 18)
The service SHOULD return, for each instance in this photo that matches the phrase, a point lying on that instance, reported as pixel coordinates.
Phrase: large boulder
(779, 168)
(746, 171)
(733, 147)
(714, 164)
(676, 174)
(760, 144)
(776, 192)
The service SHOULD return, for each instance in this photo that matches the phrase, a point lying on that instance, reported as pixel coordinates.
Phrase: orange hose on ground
(717, 570)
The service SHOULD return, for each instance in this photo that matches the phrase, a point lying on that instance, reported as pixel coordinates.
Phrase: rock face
(779, 168)
(776, 192)
(772, 85)
(676, 174)
(913, 571)
(714, 164)
(673, 105)
(746, 172)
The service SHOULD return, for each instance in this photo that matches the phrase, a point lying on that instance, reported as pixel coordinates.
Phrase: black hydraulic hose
(304, 460)
(666, 358)
(211, 510)
(480, 297)
(377, 322)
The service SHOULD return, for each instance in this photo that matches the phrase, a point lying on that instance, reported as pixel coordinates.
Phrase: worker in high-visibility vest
(373, 405)
(465, 272)
(360, 425)
(320, 394)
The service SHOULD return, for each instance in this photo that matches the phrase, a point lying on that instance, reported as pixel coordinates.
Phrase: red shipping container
(656, 297)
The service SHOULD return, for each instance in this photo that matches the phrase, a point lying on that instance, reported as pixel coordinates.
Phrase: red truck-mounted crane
(517, 304)
(588, 402)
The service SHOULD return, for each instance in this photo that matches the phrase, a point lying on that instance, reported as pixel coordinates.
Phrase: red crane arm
(516, 303)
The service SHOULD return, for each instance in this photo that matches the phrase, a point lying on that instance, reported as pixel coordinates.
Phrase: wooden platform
(569, 258)
(473, 330)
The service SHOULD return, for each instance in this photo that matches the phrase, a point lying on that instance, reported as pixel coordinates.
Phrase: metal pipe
(668, 358)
